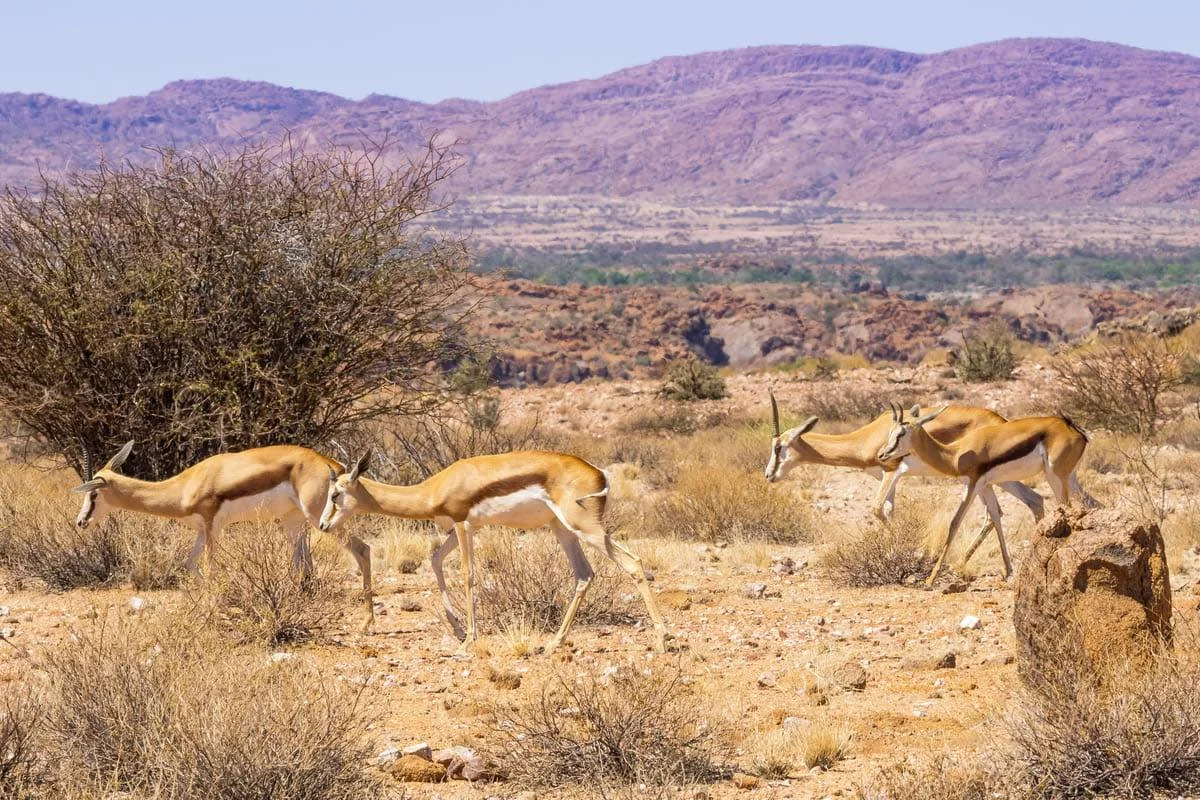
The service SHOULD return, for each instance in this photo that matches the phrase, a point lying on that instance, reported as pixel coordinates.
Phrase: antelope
(526, 489)
(860, 449)
(1014, 450)
(280, 482)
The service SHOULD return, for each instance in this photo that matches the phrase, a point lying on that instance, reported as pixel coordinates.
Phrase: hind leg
(439, 555)
(593, 533)
(993, 508)
(583, 578)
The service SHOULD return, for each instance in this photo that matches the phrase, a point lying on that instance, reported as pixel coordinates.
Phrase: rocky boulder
(1094, 588)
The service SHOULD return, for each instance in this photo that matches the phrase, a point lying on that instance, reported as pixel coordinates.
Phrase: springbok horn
(87, 460)
(895, 411)
(929, 416)
(774, 414)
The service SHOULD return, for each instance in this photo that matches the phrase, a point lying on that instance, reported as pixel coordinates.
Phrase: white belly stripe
(269, 505)
(527, 508)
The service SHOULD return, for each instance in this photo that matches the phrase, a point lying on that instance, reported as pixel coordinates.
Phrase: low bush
(706, 503)
(880, 555)
(837, 402)
(526, 580)
(165, 710)
(631, 728)
(693, 379)
(257, 593)
(988, 356)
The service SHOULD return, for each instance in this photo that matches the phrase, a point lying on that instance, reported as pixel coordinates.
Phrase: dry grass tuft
(525, 580)
(777, 754)
(940, 778)
(824, 744)
(632, 728)
(836, 402)
(258, 594)
(881, 554)
(157, 709)
(403, 546)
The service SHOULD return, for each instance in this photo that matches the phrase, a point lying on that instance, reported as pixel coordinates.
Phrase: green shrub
(987, 357)
(692, 379)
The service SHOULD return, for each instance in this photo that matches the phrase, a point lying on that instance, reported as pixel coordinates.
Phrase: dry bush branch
(22, 767)
(1119, 385)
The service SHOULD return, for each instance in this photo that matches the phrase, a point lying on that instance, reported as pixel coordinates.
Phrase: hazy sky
(98, 50)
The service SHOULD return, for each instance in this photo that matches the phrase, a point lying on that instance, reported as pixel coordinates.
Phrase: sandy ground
(749, 659)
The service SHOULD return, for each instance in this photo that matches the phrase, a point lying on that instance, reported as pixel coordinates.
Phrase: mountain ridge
(1019, 122)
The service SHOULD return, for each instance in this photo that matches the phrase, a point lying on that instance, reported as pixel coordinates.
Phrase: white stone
(136, 604)
(280, 657)
(970, 622)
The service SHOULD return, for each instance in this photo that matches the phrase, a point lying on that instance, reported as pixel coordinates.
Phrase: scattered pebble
(754, 591)
(970, 622)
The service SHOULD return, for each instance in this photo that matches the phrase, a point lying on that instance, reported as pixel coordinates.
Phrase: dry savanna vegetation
(805, 658)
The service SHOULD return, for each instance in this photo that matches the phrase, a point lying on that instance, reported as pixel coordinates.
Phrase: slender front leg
(362, 555)
(993, 509)
(979, 537)
(885, 498)
(463, 531)
(444, 549)
(954, 523)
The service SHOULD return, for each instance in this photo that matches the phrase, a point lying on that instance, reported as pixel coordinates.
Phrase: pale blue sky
(98, 50)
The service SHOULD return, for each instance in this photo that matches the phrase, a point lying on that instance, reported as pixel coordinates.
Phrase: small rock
(465, 763)
(958, 587)
(4, 611)
(948, 661)
(786, 565)
(388, 757)
(413, 769)
(676, 599)
(7, 633)
(410, 605)
(850, 675)
(817, 770)
(767, 680)
(969, 623)
(754, 591)
(743, 781)
(420, 750)
(279, 658)
(136, 604)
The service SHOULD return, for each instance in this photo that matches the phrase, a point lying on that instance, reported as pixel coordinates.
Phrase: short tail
(1075, 427)
(603, 493)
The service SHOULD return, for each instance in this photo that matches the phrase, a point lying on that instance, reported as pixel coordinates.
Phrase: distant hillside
(1034, 122)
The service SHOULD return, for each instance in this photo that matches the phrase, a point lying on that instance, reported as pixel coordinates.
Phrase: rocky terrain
(1018, 123)
(559, 334)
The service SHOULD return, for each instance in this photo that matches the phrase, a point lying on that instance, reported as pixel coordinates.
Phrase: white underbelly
(1020, 469)
(269, 505)
(527, 508)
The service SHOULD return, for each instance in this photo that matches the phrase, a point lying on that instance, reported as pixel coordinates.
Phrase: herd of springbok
(531, 489)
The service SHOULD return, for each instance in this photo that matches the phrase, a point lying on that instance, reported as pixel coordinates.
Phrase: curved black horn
(87, 460)
(774, 414)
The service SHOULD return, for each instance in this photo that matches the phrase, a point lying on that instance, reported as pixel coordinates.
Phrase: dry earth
(750, 659)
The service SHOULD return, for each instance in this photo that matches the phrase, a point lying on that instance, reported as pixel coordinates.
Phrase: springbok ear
(804, 428)
(915, 411)
(90, 486)
(332, 475)
(360, 466)
(116, 461)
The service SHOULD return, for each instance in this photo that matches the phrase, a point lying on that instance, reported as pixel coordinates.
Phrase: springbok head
(899, 441)
(96, 501)
(344, 493)
(783, 452)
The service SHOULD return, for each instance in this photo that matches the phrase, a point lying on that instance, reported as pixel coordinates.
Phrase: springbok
(860, 448)
(1014, 450)
(280, 482)
(526, 489)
